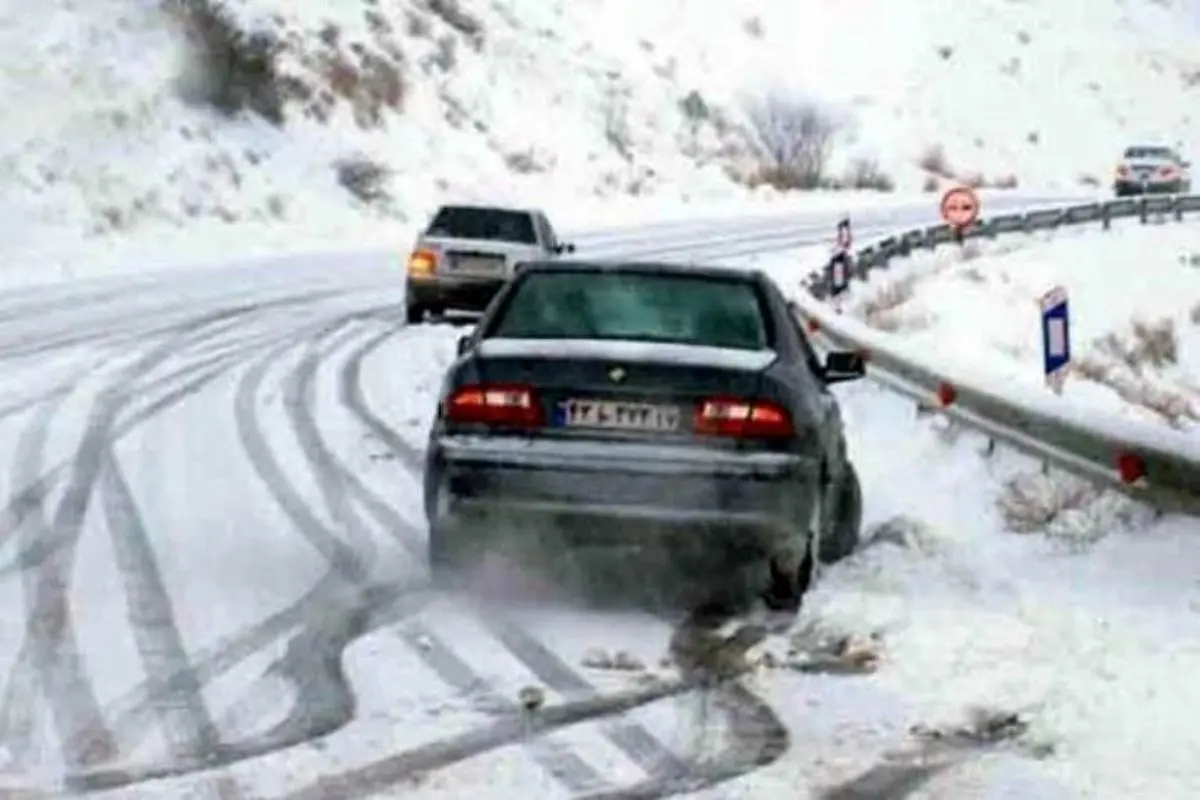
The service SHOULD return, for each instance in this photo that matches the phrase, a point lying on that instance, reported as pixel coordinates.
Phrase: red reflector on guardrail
(812, 326)
(946, 394)
(1130, 467)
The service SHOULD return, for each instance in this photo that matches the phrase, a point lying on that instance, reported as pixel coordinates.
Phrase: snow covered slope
(1135, 313)
(564, 102)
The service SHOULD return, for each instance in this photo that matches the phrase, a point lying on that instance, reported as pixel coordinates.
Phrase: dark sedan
(669, 416)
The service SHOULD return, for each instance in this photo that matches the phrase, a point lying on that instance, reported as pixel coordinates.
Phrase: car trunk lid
(621, 389)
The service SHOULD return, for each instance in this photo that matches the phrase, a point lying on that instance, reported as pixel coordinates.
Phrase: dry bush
(930, 184)
(1149, 343)
(1125, 364)
(974, 180)
(1030, 502)
(1089, 180)
(451, 13)
(1005, 182)
(364, 178)
(793, 137)
(933, 160)
(227, 69)
(865, 173)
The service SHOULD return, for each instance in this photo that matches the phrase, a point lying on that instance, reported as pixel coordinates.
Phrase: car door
(546, 234)
(825, 403)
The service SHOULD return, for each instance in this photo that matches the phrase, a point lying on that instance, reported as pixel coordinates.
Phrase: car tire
(844, 533)
(414, 315)
(786, 587)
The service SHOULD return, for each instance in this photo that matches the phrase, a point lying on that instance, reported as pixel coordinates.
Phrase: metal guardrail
(1147, 462)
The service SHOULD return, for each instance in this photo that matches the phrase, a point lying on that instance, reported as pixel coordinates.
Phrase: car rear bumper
(468, 294)
(624, 495)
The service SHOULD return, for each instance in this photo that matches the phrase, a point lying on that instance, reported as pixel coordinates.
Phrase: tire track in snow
(335, 612)
(753, 720)
(187, 725)
(556, 758)
(637, 743)
(49, 655)
(24, 517)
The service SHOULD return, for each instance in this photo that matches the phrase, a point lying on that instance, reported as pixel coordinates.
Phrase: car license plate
(479, 266)
(613, 415)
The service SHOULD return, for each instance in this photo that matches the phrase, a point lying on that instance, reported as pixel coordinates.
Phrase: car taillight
(503, 405)
(1122, 170)
(422, 263)
(1166, 172)
(732, 416)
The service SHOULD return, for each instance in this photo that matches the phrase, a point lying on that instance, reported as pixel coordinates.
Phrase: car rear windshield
(1150, 152)
(642, 307)
(492, 224)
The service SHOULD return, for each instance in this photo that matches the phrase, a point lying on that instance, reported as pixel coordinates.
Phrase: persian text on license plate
(618, 415)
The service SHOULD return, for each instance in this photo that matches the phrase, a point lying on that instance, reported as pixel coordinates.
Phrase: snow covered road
(212, 556)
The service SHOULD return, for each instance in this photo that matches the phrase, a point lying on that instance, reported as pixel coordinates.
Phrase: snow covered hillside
(1135, 313)
(382, 107)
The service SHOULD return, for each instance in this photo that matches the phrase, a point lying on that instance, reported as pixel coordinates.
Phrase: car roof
(489, 207)
(644, 268)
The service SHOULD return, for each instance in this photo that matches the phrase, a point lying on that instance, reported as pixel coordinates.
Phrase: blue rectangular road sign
(1056, 337)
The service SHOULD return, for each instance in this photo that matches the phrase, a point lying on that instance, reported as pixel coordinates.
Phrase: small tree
(794, 137)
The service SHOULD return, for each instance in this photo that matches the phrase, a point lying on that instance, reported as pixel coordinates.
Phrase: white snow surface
(573, 106)
(213, 524)
(1134, 301)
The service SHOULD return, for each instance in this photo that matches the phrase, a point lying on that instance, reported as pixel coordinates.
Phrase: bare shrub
(1089, 180)
(1150, 343)
(930, 184)
(933, 160)
(865, 174)
(451, 13)
(228, 69)
(1030, 502)
(1125, 363)
(793, 137)
(364, 178)
(1005, 182)
(974, 180)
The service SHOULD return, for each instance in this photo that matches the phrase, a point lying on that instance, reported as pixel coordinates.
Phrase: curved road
(212, 543)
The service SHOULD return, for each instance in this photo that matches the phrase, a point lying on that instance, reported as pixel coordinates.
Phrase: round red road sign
(960, 207)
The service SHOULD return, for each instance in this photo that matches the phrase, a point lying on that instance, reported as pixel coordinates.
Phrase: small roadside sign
(844, 237)
(837, 271)
(1056, 338)
(960, 207)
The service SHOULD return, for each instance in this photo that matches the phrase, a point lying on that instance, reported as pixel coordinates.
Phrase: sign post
(1056, 338)
(960, 210)
(837, 271)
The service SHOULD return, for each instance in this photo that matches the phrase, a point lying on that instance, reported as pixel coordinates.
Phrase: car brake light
(1122, 170)
(503, 405)
(422, 263)
(1166, 172)
(731, 416)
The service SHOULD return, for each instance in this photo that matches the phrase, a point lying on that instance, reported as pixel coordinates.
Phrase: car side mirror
(464, 344)
(844, 365)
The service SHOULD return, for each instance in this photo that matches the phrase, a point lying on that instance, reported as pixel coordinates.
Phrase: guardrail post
(1178, 206)
(1105, 216)
(1144, 210)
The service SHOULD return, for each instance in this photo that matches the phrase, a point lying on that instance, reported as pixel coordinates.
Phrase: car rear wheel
(414, 315)
(843, 534)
